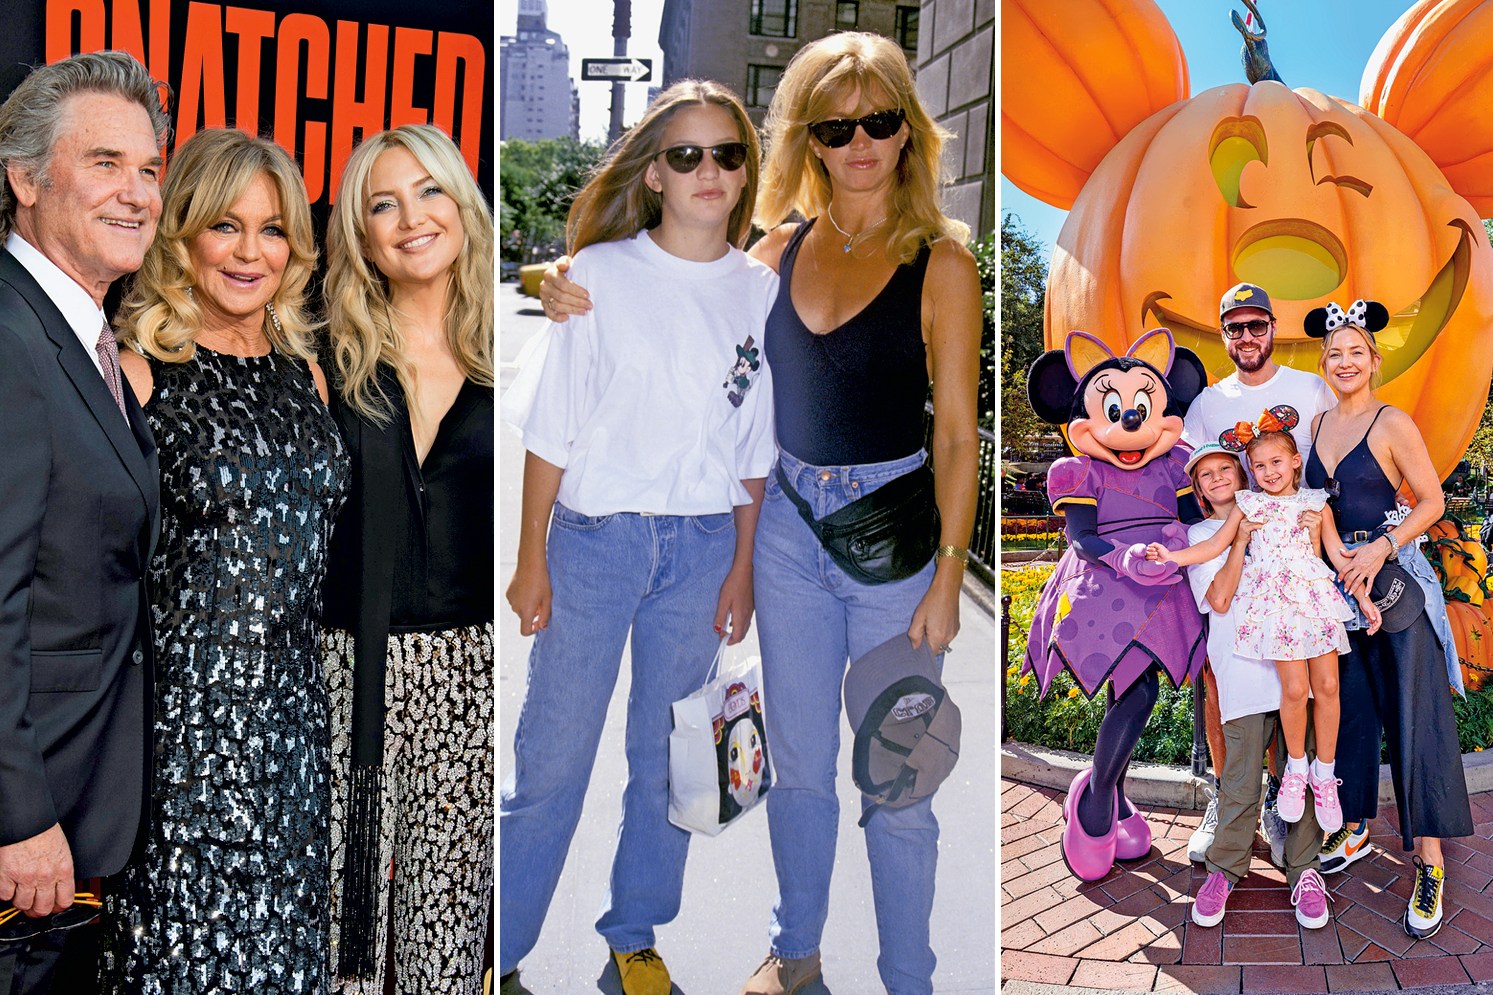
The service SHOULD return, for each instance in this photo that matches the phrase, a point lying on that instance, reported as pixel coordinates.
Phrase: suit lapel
(78, 366)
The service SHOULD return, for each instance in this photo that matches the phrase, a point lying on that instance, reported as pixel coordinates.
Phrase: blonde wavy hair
(361, 321)
(159, 315)
(821, 77)
(615, 202)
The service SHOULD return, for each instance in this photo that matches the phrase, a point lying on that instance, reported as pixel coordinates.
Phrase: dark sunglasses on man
(838, 132)
(17, 927)
(1255, 328)
(730, 156)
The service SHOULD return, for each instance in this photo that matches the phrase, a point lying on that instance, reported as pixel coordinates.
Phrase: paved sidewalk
(1131, 930)
(720, 935)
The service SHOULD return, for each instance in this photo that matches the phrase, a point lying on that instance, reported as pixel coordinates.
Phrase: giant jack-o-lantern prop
(1431, 76)
(1051, 156)
(1307, 195)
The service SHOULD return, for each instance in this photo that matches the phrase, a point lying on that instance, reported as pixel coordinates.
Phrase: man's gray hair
(30, 116)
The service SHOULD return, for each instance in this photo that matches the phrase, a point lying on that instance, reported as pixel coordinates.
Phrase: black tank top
(856, 393)
(1364, 493)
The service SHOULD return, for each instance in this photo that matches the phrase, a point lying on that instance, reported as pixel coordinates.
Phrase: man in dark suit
(80, 143)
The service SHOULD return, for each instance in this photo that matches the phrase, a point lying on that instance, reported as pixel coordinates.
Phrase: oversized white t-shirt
(1245, 686)
(1219, 407)
(660, 399)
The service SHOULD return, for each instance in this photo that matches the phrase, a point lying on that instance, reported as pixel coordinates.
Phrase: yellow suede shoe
(643, 972)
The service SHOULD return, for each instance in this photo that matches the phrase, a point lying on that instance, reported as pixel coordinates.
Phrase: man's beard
(1254, 363)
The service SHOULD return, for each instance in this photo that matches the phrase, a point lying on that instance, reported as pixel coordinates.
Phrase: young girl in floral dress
(1289, 611)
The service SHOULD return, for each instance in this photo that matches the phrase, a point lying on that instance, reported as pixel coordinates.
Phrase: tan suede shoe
(779, 976)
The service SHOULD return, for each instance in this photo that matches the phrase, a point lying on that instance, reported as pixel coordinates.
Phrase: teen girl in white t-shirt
(648, 425)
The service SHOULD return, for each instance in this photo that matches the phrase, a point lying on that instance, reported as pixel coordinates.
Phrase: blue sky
(1323, 44)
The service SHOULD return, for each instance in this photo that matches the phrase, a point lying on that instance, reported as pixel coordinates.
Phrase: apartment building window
(847, 15)
(906, 28)
(778, 18)
(762, 81)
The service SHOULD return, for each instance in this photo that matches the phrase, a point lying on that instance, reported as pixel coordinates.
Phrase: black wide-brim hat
(1398, 596)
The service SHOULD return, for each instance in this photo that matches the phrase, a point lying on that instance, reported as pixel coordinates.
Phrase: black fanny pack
(887, 535)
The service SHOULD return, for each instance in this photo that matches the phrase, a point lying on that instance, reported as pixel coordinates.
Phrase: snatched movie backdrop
(314, 75)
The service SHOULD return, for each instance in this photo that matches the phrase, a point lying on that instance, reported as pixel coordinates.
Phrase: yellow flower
(1073, 692)
(1013, 670)
(1477, 749)
(1025, 680)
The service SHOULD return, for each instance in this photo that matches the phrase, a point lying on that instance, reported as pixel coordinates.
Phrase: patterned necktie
(108, 357)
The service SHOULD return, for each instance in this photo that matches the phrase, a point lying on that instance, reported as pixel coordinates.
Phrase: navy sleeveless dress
(1393, 684)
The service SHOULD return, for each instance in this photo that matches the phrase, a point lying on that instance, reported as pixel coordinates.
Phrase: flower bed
(1065, 719)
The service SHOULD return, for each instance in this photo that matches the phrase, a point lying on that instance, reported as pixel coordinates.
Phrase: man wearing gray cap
(1257, 385)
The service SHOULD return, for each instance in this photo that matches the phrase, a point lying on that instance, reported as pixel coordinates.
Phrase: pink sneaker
(1324, 800)
(1310, 898)
(1207, 908)
(1291, 802)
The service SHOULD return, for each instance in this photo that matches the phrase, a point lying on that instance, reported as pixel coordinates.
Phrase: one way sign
(617, 70)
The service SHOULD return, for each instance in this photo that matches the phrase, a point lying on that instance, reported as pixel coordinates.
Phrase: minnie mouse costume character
(1106, 612)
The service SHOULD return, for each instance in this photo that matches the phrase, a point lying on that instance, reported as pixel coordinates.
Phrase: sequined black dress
(232, 892)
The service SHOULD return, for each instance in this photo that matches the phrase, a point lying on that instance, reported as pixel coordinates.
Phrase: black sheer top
(428, 528)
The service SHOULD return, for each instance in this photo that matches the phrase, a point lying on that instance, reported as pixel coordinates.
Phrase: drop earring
(269, 306)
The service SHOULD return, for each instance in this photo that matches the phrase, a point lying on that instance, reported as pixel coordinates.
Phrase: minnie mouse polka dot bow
(1355, 315)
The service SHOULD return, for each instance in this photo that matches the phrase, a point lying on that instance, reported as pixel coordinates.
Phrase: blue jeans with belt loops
(812, 620)
(660, 576)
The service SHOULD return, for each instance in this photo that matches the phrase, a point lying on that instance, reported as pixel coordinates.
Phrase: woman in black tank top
(1392, 683)
(855, 340)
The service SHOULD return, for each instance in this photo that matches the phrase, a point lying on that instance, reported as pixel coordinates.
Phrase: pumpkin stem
(1254, 54)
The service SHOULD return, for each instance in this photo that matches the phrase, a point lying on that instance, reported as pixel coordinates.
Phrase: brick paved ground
(1131, 930)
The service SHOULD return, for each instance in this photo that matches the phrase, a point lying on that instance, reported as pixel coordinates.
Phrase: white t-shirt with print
(659, 400)
(1246, 686)
(1219, 407)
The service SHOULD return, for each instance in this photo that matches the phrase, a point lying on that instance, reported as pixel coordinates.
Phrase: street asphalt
(720, 935)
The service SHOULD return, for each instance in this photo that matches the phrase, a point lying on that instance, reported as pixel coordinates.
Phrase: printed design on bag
(743, 372)
(741, 750)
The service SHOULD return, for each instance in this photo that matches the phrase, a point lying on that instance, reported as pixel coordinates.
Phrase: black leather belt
(1361, 535)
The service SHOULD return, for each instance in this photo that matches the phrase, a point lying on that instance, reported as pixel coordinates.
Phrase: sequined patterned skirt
(437, 809)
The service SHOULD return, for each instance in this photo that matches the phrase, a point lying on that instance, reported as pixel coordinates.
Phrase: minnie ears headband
(1368, 315)
(1281, 418)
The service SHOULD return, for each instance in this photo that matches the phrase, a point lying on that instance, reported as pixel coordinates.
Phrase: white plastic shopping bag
(718, 760)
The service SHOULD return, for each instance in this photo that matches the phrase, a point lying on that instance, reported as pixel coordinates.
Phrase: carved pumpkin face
(1308, 196)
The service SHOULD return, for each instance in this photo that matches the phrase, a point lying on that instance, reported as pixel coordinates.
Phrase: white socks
(1321, 771)
(1296, 765)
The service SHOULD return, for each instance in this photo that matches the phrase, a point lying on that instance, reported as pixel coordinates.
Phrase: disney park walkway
(1131, 931)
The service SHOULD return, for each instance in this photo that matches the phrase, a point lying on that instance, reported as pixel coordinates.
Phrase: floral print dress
(1288, 606)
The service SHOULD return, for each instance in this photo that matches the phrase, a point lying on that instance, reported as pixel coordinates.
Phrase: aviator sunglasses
(880, 126)
(730, 156)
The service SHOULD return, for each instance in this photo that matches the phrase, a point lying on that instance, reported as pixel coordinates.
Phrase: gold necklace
(850, 239)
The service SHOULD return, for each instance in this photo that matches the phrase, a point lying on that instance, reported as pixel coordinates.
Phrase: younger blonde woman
(648, 425)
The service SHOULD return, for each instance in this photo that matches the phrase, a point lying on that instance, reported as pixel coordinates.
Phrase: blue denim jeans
(811, 620)
(660, 576)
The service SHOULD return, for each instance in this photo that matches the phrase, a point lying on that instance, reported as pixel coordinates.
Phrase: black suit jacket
(79, 516)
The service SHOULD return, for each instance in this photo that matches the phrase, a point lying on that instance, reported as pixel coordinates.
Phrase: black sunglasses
(730, 156)
(1235, 329)
(880, 126)
(18, 928)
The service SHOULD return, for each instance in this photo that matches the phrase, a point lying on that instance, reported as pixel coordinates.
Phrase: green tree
(536, 183)
(1023, 296)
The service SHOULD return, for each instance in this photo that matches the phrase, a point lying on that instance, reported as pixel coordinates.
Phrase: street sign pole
(621, 30)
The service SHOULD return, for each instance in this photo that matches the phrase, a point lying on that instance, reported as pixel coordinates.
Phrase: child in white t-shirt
(1249, 692)
(648, 425)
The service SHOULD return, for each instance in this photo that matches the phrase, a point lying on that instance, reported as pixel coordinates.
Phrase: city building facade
(538, 99)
